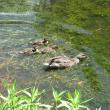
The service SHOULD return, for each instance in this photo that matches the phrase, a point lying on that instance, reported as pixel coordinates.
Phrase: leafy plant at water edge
(32, 98)
(98, 108)
(29, 99)
(73, 102)
(57, 98)
(21, 100)
(12, 101)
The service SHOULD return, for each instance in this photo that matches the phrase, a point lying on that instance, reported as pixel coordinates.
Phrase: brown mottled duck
(64, 61)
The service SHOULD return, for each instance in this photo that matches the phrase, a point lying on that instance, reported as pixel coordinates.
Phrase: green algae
(85, 25)
(13, 6)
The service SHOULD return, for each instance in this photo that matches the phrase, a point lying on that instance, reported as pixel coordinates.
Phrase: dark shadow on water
(47, 69)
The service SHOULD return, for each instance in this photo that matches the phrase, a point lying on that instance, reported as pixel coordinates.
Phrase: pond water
(22, 22)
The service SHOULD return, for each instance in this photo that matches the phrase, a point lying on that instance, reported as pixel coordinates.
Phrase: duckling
(64, 61)
(40, 42)
(30, 51)
(48, 49)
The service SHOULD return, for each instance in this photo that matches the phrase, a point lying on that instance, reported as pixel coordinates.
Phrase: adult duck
(64, 61)
(39, 42)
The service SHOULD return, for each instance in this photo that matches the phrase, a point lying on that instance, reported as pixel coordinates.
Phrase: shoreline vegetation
(30, 99)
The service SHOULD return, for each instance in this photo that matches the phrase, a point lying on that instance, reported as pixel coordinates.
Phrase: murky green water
(86, 29)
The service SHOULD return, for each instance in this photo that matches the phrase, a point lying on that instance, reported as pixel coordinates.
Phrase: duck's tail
(46, 64)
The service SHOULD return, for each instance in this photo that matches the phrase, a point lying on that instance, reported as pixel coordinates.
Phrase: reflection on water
(17, 29)
(74, 28)
(17, 18)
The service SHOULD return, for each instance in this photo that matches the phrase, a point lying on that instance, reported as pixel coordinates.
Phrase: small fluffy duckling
(39, 42)
(48, 49)
(30, 51)
(64, 61)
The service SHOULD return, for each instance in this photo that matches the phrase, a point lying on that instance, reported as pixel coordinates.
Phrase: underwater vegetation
(84, 24)
(13, 6)
(74, 25)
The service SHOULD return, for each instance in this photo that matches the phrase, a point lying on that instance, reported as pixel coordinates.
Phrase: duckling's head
(45, 41)
(34, 49)
(81, 56)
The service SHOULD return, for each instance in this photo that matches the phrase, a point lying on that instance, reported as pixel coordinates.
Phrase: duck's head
(81, 56)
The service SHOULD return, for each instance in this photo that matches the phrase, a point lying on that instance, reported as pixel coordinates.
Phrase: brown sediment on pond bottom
(7, 62)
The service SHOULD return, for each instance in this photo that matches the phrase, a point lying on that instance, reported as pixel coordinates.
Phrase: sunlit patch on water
(14, 18)
(75, 28)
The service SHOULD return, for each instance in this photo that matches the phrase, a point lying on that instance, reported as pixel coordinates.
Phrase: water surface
(22, 22)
